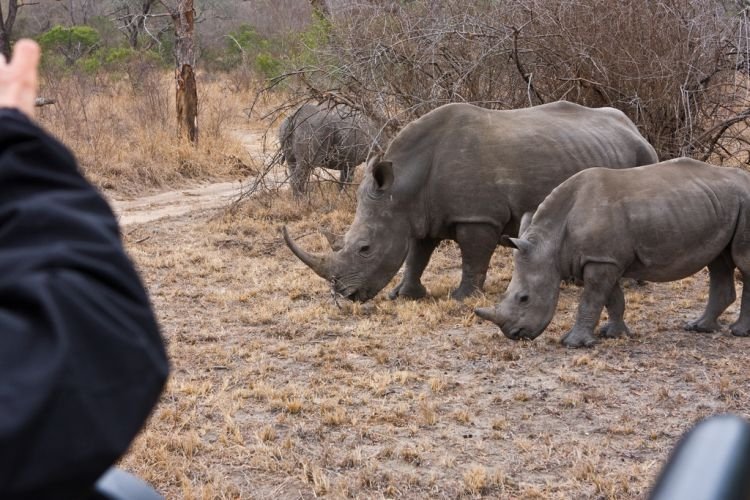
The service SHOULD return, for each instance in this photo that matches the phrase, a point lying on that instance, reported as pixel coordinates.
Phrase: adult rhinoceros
(328, 136)
(660, 222)
(468, 174)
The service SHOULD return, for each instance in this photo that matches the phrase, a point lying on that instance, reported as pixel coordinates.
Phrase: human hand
(18, 79)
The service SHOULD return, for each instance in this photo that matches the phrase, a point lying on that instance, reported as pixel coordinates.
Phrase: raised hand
(18, 79)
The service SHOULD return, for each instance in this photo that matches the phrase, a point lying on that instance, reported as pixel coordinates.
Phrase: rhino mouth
(522, 333)
(515, 334)
(352, 293)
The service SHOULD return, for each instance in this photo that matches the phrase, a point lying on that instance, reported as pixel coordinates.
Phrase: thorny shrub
(677, 68)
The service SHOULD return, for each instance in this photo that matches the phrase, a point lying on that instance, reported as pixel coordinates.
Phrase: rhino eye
(523, 299)
(364, 249)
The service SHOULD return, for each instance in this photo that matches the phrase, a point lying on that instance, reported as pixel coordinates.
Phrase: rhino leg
(419, 255)
(599, 280)
(477, 243)
(741, 258)
(741, 327)
(345, 177)
(616, 326)
(299, 170)
(721, 294)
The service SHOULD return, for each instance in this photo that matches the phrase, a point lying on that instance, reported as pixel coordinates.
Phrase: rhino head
(530, 301)
(373, 248)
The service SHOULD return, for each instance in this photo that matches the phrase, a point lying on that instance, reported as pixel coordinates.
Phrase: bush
(71, 43)
(246, 48)
(678, 69)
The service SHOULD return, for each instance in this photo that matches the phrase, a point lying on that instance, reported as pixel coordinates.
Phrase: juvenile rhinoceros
(468, 174)
(661, 222)
(328, 136)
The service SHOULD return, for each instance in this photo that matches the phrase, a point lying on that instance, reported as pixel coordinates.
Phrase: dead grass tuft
(125, 135)
(279, 392)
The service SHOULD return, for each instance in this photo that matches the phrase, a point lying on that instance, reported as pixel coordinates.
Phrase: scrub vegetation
(280, 391)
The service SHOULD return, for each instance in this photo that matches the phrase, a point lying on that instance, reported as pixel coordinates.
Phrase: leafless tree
(678, 68)
(7, 20)
(182, 13)
(79, 11)
(132, 17)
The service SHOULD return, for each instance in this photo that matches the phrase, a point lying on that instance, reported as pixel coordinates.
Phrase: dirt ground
(279, 392)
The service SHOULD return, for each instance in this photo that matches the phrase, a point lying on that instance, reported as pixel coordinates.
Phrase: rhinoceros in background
(660, 222)
(328, 136)
(468, 174)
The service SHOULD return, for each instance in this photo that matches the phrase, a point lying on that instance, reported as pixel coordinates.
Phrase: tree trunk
(6, 27)
(134, 25)
(4, 44)
(184, 51)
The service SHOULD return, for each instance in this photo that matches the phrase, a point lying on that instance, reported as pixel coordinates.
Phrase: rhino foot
(702, 325)
(578, 338)
(463, 292)
(614, 329)
(739, 329)
(414, 292)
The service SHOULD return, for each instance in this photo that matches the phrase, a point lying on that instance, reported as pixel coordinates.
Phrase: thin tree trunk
(6, 27)
(4, 44)
(184, 51)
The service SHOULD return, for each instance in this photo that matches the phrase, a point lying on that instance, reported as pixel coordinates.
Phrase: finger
(26, 55)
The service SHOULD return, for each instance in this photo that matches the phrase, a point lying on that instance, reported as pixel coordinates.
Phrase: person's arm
(81, 359)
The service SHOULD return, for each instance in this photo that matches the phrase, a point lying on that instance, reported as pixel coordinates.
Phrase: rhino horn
(487, 313)
(321, 265)
(335, 241)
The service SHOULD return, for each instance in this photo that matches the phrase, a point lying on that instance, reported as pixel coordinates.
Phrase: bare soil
(279, 392)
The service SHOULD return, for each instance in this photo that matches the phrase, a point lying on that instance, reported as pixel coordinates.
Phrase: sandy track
(182, 201)
(176, 203)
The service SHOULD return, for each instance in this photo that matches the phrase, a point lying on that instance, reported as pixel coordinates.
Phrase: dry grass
(124, 132)
(277, 392)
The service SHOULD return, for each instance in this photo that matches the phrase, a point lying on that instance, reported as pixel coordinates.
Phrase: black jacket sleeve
(81, 359)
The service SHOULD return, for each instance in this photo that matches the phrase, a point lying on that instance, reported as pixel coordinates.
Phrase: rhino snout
(511, 331)
(491, 314)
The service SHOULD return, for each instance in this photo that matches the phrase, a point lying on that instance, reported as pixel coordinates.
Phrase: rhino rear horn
(321, 265)
(525, 222)
(336, 241)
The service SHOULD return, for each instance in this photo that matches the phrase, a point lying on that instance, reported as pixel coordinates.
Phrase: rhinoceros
(468, 174)
(328, 136)
(660, 222)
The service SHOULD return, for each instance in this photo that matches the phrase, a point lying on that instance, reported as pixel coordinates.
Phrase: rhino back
(462, 163)
(327, 136)
(659, 223)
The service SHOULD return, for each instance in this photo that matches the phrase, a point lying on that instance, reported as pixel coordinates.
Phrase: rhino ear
(517, 243)
(382, 173)
(374, 158)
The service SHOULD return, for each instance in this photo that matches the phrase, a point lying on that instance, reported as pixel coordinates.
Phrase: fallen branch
(43, 101)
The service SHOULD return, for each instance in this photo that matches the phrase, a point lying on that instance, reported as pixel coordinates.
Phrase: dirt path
(176, 203)
(182, 201)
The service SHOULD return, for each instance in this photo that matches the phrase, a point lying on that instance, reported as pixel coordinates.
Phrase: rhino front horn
(319, 264)
(486, 313)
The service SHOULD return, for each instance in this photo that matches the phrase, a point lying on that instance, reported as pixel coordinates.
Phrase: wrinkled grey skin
(326, 136)
(467, 174)
(661, 222)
